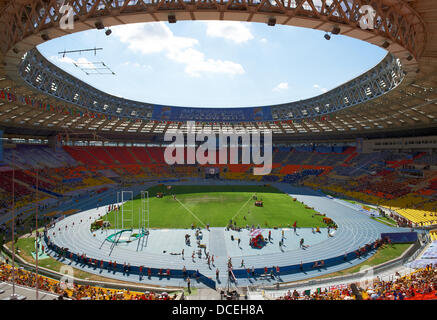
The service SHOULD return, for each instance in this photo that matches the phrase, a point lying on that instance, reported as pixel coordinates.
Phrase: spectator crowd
(74, 291)
(419, 285)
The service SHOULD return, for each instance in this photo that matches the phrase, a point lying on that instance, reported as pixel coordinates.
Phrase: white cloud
(158, 38)
(281, 87)
(320, 88)
(151, 38)
(235, 31)
(263, 40)
(137, 65)
(82, 62)
(196, 63)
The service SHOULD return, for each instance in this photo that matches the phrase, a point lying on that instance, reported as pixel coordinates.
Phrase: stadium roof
(400, 93)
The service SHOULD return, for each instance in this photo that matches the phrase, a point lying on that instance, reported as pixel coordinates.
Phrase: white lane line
(251, 197)
(190, 212)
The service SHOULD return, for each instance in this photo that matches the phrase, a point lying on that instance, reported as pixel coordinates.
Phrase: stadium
(328, 197)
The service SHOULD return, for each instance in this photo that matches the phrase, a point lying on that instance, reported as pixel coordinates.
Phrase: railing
(174, 273)
(58, 276)
(413, 250)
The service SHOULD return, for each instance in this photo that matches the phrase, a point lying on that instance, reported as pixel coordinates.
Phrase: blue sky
(215, 64)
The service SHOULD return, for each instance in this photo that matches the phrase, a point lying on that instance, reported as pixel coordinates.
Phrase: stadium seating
(100, 153)
(140, 154)
(81, 155)
(121, 154)
(429, 159)
(281, 154)
(398, 288)
(383, 178)
(157, 154)
(31, 156)
(296, 177)
(77, 292)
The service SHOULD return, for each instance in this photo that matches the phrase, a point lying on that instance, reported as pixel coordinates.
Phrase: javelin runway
(163, 249)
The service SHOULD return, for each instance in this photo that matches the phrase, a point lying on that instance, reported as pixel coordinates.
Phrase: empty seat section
(157, 154)
(141, 154)
(6, 184)
(101, 154)
(31, 180)
(30, 156)
(121, 154)
(81, 155)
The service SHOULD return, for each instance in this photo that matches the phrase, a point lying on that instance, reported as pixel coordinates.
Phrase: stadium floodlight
(45, 37)
(385, 44)
(410, 57)
(171, 18)
(335, 30)
(99, 25)
(271, 22)
(327, 36)
(108, 32)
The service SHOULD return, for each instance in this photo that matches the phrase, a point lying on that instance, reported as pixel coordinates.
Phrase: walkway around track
(355, 229)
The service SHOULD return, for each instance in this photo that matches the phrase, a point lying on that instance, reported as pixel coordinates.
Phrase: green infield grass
(216, 206)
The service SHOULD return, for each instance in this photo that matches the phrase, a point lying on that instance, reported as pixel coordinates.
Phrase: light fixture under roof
(45, 37)
(99, 25)
(171, 18)
(271, 22)
(335, 30)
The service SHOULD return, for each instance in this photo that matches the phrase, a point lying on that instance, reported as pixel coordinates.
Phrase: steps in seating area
(426, 182)
(141, 154)
(121, 155)
(285, 161)
(41, 178)
(132, 154)
(349, 158)
(156, 154)
(82, 155)
(32, 190)
(101, 154)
